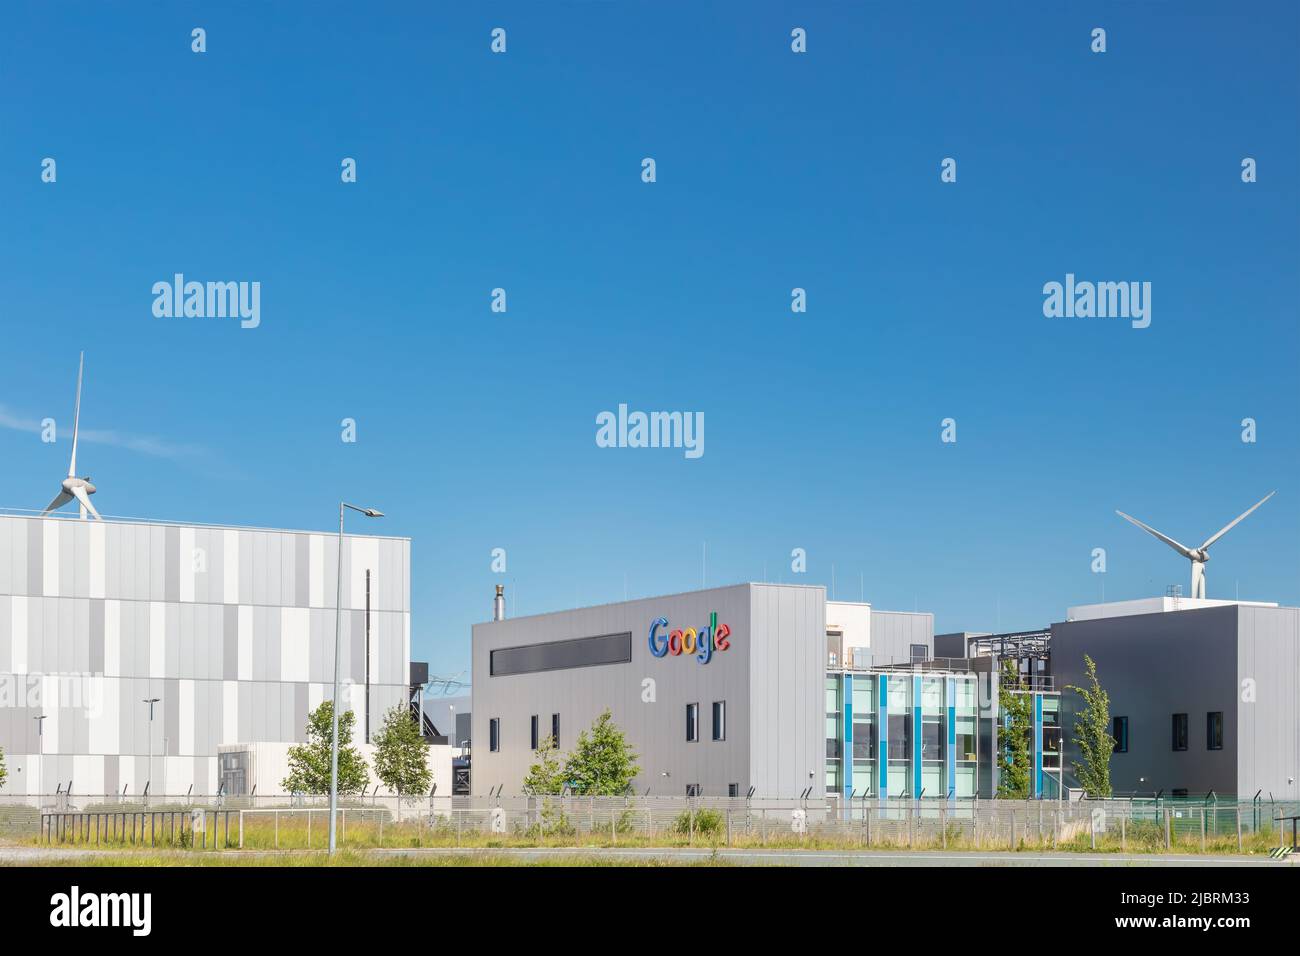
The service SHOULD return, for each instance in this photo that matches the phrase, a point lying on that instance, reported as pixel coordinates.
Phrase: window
(965, 739)
(719, 720)
(1180, 791)
(920, 652)
(555, 731)
(1180, 732)
(692, 722)
(733, 789)
(532, 733)
(932, 740)
(900, 736)
(1119, 730)
(561, 655)
(1214, 730)
(864, 739)
(692, 789)
(494, 734)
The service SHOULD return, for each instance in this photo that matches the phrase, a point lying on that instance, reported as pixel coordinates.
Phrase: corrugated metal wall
(232, 628)
(1268, 701)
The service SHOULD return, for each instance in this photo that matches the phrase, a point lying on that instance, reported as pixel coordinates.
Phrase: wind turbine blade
(62, 499)
(84, 498)
(76, 419)
(1185, 551)
(1228, 527)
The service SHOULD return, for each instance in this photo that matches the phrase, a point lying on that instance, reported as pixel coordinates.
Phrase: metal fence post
(1092, 830)
(309, 828)
(943, 827)
(1123, 833)
(1168, 842)
(1239, 828)
(1202, 829)
(241, 829)
(277, 829)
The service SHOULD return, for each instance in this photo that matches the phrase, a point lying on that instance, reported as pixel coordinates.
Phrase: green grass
(292, 835)
(705, 829)
(354, 858)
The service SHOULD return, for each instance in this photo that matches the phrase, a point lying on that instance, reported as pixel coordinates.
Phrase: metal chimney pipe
(499, 604)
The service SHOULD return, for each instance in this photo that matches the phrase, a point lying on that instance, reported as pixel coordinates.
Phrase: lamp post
(40, 746)
(149, 783)
(334, 722)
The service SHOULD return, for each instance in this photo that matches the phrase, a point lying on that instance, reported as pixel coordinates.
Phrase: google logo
(701, 643)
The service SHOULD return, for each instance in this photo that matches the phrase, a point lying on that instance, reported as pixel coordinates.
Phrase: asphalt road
(30, 855)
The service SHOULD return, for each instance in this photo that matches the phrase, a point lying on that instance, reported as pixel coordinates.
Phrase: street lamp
(40, 745)
(338, 613)
(148, 785)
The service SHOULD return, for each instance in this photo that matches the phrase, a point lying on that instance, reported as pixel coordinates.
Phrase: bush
(706, 822)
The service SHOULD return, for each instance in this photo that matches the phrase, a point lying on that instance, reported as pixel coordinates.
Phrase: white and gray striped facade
(232, 629)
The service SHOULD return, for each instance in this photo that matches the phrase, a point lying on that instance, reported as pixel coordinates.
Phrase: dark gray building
(1201, 699)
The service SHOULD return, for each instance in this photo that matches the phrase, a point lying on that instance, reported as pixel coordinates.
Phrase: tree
(401, 755)
(546, 776)
(309, 763)
(1092, 735)
(601, 764)
(1016, 708)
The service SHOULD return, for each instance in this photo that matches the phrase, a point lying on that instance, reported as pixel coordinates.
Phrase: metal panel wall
(1268, 701)
(1154, 666)
(894, 632)
(232, 628)
(771, 680)
(787, 677)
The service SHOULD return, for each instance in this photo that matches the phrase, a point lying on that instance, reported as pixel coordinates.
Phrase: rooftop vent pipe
(499, 604)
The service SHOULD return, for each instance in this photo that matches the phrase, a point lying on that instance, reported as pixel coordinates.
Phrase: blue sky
(476, 430)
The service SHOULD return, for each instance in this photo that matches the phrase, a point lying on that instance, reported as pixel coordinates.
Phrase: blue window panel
(882, 734)
(847, 751)
(1038, 746)
(916, 736)
(950, 689)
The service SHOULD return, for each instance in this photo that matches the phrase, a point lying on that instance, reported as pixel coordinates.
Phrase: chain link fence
(300, 822)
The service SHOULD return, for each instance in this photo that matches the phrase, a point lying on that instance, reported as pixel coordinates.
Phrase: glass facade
(965, 737)
(933, 718)
(834, 745)
(934, 738)
(899, 748)
(864, 735)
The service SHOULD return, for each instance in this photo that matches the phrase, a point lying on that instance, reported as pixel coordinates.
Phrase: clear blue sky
(477, 430)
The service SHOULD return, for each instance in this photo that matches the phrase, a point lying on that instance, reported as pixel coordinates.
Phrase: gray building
(231, 629)
(1204, 698)
(718, 690)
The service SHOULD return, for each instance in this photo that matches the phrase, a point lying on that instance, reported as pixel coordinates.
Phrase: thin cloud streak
(144, 444)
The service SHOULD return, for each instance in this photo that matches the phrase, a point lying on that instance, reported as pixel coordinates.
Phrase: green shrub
(706, 822)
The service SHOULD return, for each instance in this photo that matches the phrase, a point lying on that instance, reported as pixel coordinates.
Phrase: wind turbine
(74, 487)
(1198, 556)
